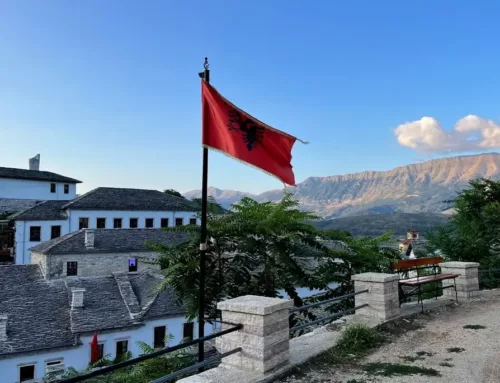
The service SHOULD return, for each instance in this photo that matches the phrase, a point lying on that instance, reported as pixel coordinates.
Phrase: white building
(47, 326)
(103, 207)
(21, 188)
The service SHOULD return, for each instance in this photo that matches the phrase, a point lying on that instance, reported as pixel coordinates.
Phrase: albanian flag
(94, 349)
(228, 129)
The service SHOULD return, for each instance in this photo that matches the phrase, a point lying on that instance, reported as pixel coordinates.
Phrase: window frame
(188, 325)
(73, 263)
(39, 234)
(116, 347)
(133, 267)
(181, 220)
(80, 227)
(97, 222)
(66, 188)
(53, 362)
(164, 340)
(136, 223)
(162, 221)
(52, 231)
(115, 220)
(24, 365)
(149, 220)
(191, 221)
(53, 187)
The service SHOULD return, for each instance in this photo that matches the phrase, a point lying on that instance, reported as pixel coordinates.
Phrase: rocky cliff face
(410, 189)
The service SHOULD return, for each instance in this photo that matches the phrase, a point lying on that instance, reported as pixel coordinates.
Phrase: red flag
(228, 129)
(94, 349)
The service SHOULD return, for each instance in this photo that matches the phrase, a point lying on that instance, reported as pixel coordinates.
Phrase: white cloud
(469, 134)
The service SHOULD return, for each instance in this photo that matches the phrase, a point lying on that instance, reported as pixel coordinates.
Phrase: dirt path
(475, 358)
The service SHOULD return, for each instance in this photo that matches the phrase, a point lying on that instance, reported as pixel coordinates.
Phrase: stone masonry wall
(97, 264)
(40, 259)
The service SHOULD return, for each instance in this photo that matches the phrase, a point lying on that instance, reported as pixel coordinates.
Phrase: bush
(358, 339)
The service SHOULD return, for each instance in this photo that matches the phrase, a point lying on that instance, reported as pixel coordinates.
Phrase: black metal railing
(328, 318)
(167, 378)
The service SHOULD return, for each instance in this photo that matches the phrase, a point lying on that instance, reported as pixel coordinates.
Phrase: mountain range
(416, 188)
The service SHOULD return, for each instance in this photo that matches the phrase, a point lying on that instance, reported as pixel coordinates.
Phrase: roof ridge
(79, 198)
(128, 294)
(30, 208)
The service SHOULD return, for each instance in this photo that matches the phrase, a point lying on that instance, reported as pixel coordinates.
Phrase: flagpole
(203, 235)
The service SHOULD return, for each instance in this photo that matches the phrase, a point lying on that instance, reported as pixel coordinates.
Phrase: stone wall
(91, 264)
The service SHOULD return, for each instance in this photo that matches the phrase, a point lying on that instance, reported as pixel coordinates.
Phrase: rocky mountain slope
(413, 188)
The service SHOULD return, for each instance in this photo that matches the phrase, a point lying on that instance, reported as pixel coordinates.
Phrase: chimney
(3, 327)
(35, 162)
(89, 238)
(77, 297)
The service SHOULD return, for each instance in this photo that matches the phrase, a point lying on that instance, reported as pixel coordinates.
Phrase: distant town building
(104, 207)
(100, 252)
(46, 326)
(22, 188)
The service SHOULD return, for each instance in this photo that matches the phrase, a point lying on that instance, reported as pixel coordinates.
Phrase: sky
(108, 91)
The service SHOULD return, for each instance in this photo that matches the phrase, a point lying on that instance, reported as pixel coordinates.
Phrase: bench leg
(455, 284)
(421, 298)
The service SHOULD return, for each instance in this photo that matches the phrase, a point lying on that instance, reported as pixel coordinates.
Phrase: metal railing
(167, 378)
(329, 318)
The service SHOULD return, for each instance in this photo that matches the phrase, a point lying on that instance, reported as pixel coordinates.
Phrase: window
(101, 350)
(179, 222)
(117, 223)
(192, 221)
(188, 331)
(83, 223)
(101, 223)
(71, 268)
(160, 333)
(121, 347)
(26, 373)
(149, 222)
(164, 222)
(52, 188)
(54, 366)
(66, 189)
(134, 223)
(55, 232)
(35, 233)
(132, 265)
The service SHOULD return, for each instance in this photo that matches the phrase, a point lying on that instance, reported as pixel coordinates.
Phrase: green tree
(473, 232)
(212, 205)
(174, 193)
(258, 248)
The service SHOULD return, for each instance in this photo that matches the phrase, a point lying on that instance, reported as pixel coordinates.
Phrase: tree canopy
(173, 192)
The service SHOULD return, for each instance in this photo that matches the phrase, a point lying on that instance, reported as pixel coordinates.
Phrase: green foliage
(174, 193)
(141, 372)
(391, 369)
(212, 206)
(358, 339)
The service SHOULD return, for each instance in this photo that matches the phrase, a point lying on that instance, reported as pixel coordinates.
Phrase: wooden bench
(414, 273)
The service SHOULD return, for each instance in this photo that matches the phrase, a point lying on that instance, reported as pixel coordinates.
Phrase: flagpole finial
(206, 65)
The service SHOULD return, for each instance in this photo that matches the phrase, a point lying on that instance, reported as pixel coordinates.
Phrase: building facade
(55, 333)
(101, 208)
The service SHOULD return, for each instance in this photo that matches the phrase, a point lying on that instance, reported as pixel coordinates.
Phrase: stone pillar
(382, 297)
(264, 338)
(467, 282)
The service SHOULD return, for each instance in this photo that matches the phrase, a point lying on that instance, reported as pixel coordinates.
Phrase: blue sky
(108, 92)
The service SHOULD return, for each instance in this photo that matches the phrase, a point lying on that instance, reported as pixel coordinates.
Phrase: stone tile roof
(105, 198)
(40, 316)
(35, 175)
(110, 241)
(44, 211)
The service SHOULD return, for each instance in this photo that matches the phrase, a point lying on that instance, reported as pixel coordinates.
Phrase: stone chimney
(89, 238)
(77, 297)
(35, 162)
(3, 327)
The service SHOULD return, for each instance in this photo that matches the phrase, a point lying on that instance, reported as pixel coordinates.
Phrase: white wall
(79, 357)
(22, 237)
(37, 190)
(74, 216)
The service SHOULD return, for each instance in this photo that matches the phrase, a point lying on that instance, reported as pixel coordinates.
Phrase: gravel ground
(441, 329)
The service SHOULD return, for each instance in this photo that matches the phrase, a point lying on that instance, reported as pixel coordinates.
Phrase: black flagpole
(205, 75)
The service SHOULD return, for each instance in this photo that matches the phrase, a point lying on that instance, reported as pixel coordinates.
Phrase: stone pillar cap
(375, 277)
(459, 265)
(254, 304)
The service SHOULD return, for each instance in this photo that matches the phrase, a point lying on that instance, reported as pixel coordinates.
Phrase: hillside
(415, 188)
(378, 224)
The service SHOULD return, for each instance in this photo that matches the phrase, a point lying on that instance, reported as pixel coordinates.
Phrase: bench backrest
(416, 263)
